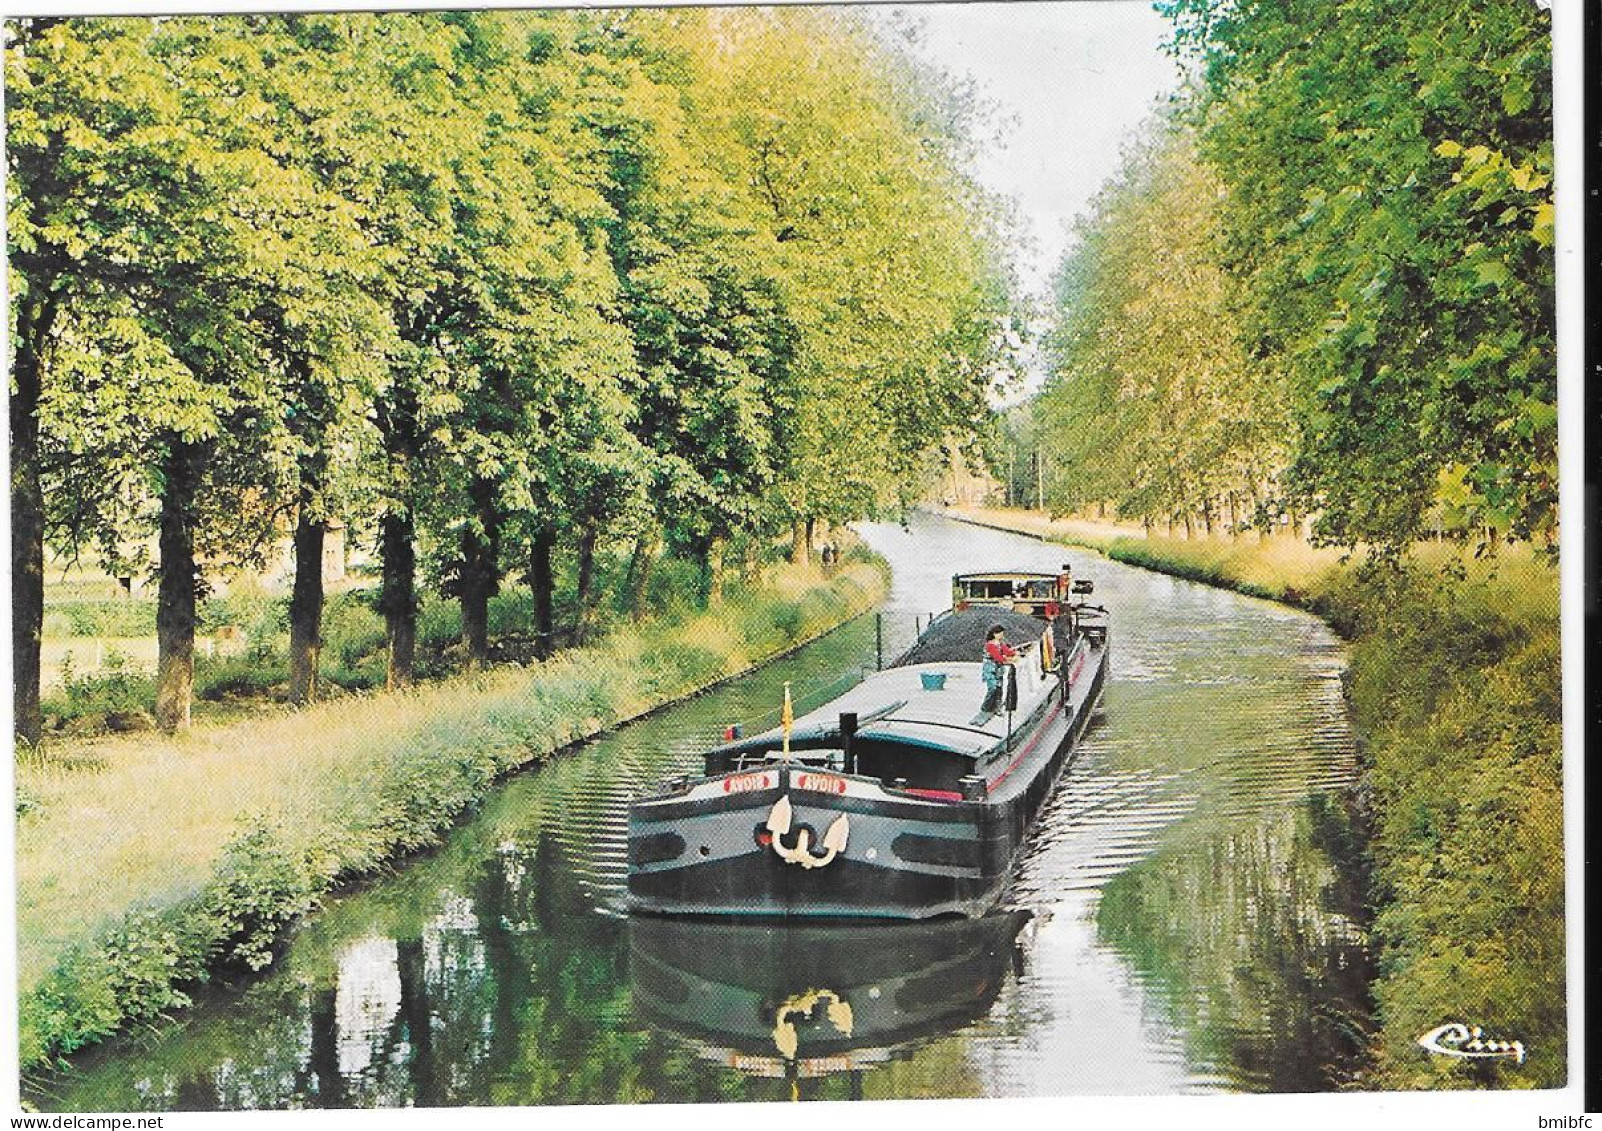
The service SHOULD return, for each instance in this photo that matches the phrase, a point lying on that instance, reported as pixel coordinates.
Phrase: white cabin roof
(942, 719)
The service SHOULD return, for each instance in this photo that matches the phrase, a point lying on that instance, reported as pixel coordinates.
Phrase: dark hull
(906, 857)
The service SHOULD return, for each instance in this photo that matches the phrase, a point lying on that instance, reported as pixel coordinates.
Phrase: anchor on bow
(833, 842)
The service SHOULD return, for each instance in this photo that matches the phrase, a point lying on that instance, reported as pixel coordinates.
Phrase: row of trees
(1154, 407)
(487, 287)
(1324, 280)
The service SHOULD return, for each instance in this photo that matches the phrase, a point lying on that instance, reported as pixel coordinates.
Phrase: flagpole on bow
(787, 719)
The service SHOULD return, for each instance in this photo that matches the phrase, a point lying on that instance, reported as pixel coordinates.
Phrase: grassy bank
(147, 863)
(1455, 694)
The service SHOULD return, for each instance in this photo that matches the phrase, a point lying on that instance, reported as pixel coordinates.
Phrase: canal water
(1183, 918)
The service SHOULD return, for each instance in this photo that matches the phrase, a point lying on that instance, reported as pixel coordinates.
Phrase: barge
(907, 797)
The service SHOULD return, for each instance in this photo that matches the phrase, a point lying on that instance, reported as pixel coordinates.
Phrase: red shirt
(1000, 651)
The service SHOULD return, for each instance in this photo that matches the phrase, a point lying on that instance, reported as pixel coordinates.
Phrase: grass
(1454, 687)
(145, 862)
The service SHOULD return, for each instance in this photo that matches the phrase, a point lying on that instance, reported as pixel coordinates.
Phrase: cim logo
(1469, 1042)
(821, 783)
(748, 783)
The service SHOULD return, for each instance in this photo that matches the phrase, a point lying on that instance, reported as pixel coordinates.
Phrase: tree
(481, 280)
(1152, 404)
(886, 256)
(1389, 212)
(533, 346)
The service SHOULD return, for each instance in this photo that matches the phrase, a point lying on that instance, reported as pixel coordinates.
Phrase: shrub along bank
(1455, 693)
(147, 863)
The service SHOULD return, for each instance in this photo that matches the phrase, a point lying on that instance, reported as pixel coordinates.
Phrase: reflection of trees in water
(1250, 939)
(491, 984)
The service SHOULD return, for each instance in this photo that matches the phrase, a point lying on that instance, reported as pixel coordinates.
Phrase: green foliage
(143, 967)
(115, 690)
(260, 887)
(1389, 219)
(352, 631)
(252, 676)
(1323, 285)
(256, 615)
(438, 623)
(488, 279)
(1153, 407)
(887, 255)
(1464, 721)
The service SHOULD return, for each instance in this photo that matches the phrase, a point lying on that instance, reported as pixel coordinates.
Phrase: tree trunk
(812, 532)
(306, 608)
(478, 573)
(640, 565)
(398, 598)
(750, 559)
(798, 543)
(475, 602)
(582, 618)
(540, 580)
(27, 538)
(397, 532)
(1190, 529)
(712, 570)
(175, 599)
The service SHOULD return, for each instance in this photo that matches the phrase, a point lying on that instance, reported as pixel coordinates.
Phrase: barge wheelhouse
(906, 797)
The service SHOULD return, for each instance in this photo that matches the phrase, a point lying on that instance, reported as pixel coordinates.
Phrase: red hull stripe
(1040, 732)
(933, 794)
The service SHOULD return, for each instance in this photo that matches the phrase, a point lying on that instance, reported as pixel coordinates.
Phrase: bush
(140, 969)
(1463, 719)
(259, 889)
(240, 677)
(117, 689)
(439, 623)
(511, 613)
(675, 587)
(367, 674)
(352, 630)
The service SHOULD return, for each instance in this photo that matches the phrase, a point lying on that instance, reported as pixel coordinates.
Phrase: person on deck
(998, 654)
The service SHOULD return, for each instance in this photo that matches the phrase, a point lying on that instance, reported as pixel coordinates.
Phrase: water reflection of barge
(811, 1000)
(901, 798)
